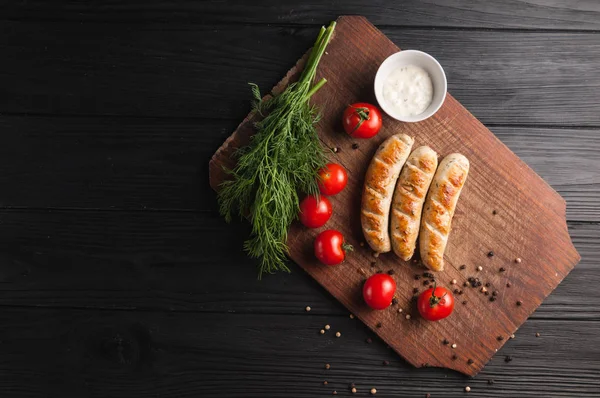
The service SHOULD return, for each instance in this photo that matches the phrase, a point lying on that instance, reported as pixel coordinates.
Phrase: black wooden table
(118, 277)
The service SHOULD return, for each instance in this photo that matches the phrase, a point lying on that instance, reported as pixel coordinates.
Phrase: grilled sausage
(409, 197)
(439, 209)
(380, 180)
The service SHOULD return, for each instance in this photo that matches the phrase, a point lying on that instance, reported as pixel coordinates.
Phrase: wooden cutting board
(505, 207)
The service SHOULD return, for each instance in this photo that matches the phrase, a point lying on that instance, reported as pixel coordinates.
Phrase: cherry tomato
(379, 290)
(362, 120)
(435, 303)
(332, 179)
(330, 247)
(314, 212)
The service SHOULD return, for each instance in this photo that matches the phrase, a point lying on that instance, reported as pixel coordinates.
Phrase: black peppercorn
(499, 338)
(490, 381)
(394, 301)
(417, 277)
(487, 284)
(502, 269)
(454, 357)
(355, 146)
(519, 302)
(391, 272)
(373, 263)
(445, 342)
(507, 359)
(378, 325)
(463, 266)
(492, 298)
(464, 302)
(426, 282)
(495, 293)
(379, 271)
(508, 284)
(416, 290)
(470, 361)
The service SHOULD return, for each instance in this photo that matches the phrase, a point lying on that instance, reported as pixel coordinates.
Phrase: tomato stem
(363, 114)
(434, 300)
(347, 247)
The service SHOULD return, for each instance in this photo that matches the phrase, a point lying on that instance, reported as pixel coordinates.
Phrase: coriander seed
(307, 308)
(327, 327)
(338, 334)
(373, 391)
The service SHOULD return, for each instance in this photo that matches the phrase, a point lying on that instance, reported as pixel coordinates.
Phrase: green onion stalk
(281, 161)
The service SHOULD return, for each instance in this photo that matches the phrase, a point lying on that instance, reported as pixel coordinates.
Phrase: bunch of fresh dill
(281, 161)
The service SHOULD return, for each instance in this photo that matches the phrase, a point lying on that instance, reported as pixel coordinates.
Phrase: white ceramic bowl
(417, 58)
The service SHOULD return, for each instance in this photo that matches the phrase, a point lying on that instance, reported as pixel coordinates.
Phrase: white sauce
(408, 90)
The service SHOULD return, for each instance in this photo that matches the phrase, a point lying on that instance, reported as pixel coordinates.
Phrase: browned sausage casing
(380, 181)
(409, 197)
(439, 209)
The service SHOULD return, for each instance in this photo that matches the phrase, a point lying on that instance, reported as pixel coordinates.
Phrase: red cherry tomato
(330, 247)
(435, 303)
(379, 290)
(332, 179)
(362, 120)
(314, 212)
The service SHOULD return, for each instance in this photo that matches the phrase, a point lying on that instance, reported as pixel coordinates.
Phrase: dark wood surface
(114, 263)
(530, 222)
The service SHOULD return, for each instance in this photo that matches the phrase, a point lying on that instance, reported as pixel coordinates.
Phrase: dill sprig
(281, 160)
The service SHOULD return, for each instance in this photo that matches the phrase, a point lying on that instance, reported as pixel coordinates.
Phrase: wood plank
(508, 209)
(177, 261)
(521, 14)
(73, 353)
(201, 71)
(142, 164)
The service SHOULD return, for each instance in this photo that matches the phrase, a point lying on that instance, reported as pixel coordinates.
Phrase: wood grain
(176, 261)
(521, 14)
(530, 222)
(161, 164)
(201, 71)
(76, 353)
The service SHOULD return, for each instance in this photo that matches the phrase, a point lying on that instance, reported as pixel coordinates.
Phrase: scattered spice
(407, 316)
(480, 268)
(490, 254)
(507, 359)
(386, 363)
(428, 275)
(465, 284)
(512, 336)
(456, 291)
(490, 381)
(353, 390)
(307, 308)
(453, 281)
(464, 302)
(399, 310)
(379, 271)
(416, 290)
(462, 266)
(355, 146)
(467, 388)
(537, 335)
(351, 316)
(426, 282)
(334, 392)
(394, 301)
(338, 334)
(369, 340)
(327, 327)
(494, 212)
(335, 149)
(417, 277)
(518, 260)
(483, 290)
(486, 293)
(499, 338)
(460, 291)
(519, 303)
(378, 325)
(487, 284)
(454, 357)
(470, 361)
(495, 293)
(325, 382)
(427, 395)
(322, 331)
(327, 366)
(373, 263)
(375, 254)
(373, 391)
(508, 284)
(445, 342)
(453, 345)
(502, 269)
(492, 299)
(391, 272)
